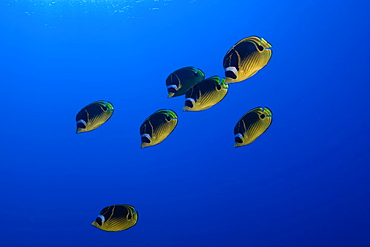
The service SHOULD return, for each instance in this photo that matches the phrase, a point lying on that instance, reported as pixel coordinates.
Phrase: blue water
(303, 183)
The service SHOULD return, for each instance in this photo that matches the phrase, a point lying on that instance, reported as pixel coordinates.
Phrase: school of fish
(243, 60)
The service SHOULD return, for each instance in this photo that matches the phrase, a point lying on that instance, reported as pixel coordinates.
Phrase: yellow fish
(116, 218)
(246, 58)
(93, 115)
(253, 124)
(179, 81)
(205, 94)
(157, 127)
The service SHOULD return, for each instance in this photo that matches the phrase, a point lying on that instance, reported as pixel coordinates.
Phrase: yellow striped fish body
(246, 58)
(157, 127)
(253, 124)
(205, 94)
(116, 218)
(179, 81)
(93, 115)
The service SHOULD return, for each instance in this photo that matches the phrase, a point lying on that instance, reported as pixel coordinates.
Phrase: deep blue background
(303, 183)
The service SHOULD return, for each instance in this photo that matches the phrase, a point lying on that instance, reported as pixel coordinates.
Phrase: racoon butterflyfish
(179, 81)
(205, 94)
(116, 218)
(93, 115)
(253, 124)
(245, 58)
(157, 127)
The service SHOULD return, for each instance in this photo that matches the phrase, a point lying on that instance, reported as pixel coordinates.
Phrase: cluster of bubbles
(242, 61)
(110, 7)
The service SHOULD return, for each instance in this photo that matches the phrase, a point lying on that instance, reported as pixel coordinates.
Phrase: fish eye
(262, 116)
(218, 87)
(260, 48)
(168, 118)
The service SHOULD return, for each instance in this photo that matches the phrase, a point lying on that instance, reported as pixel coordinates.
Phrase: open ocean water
(305, 182)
